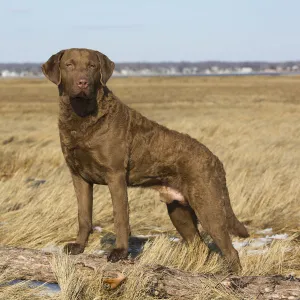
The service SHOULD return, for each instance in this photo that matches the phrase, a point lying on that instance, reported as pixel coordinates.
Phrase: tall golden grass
(250, 123)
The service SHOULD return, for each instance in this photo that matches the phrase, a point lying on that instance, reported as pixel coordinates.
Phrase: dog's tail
(235, 227)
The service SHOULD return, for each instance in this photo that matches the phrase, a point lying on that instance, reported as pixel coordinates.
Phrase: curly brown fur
(106, 142)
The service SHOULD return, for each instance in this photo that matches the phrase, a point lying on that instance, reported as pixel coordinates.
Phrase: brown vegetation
(252, 124)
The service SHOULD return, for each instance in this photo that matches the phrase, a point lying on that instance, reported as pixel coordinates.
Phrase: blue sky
(153, 30)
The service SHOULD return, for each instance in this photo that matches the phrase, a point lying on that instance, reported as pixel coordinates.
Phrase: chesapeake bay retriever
(106, 142)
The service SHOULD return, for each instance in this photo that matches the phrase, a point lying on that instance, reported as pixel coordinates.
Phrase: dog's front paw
(73, 248)
(117, 254)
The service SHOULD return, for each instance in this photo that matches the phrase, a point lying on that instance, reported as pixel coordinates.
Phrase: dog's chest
(83, 158)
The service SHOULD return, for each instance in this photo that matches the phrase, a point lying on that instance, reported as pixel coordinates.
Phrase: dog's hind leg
(208, 204)
(185, 221)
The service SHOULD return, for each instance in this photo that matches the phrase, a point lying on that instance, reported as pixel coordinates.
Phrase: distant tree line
(202, 66)
(35, 68)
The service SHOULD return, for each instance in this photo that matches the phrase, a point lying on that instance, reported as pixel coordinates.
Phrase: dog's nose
(82, 83)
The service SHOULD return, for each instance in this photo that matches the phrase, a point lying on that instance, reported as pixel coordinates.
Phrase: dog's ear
(51, 67)
(106, 67)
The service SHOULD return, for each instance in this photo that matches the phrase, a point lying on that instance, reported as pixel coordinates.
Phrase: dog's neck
(75, 116)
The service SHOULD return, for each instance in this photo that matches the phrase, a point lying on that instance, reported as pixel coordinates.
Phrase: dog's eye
(69, 65)
(92, 66)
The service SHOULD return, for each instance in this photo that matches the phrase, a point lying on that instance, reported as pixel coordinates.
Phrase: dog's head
(79, 73)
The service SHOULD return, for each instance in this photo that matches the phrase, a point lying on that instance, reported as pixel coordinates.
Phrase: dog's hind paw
(117, 254)
(73, 248)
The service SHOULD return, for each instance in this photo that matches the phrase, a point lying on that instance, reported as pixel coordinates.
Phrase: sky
(152, 30)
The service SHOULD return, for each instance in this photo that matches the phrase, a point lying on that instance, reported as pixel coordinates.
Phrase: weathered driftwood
(29, 264)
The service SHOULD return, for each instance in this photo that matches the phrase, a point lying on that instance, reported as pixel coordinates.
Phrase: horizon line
(179, 61)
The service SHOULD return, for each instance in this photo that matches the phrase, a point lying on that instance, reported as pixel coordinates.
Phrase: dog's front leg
(118, 190)
(84, 194)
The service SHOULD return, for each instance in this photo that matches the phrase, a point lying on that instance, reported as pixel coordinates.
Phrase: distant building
(215, 69)
(244, 70)
(6, 73)
(269, 70)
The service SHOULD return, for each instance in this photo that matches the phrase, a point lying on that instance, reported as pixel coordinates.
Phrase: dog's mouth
(82, 105)
(81, 96)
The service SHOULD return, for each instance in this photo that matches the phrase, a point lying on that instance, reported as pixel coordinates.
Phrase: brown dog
(106, 142)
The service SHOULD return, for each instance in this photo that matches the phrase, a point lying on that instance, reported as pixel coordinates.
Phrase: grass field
(250, 123)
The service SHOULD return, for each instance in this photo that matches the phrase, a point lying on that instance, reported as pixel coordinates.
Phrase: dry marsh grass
(250, 123)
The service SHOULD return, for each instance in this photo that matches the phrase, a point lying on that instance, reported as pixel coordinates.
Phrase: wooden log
(30, 264)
